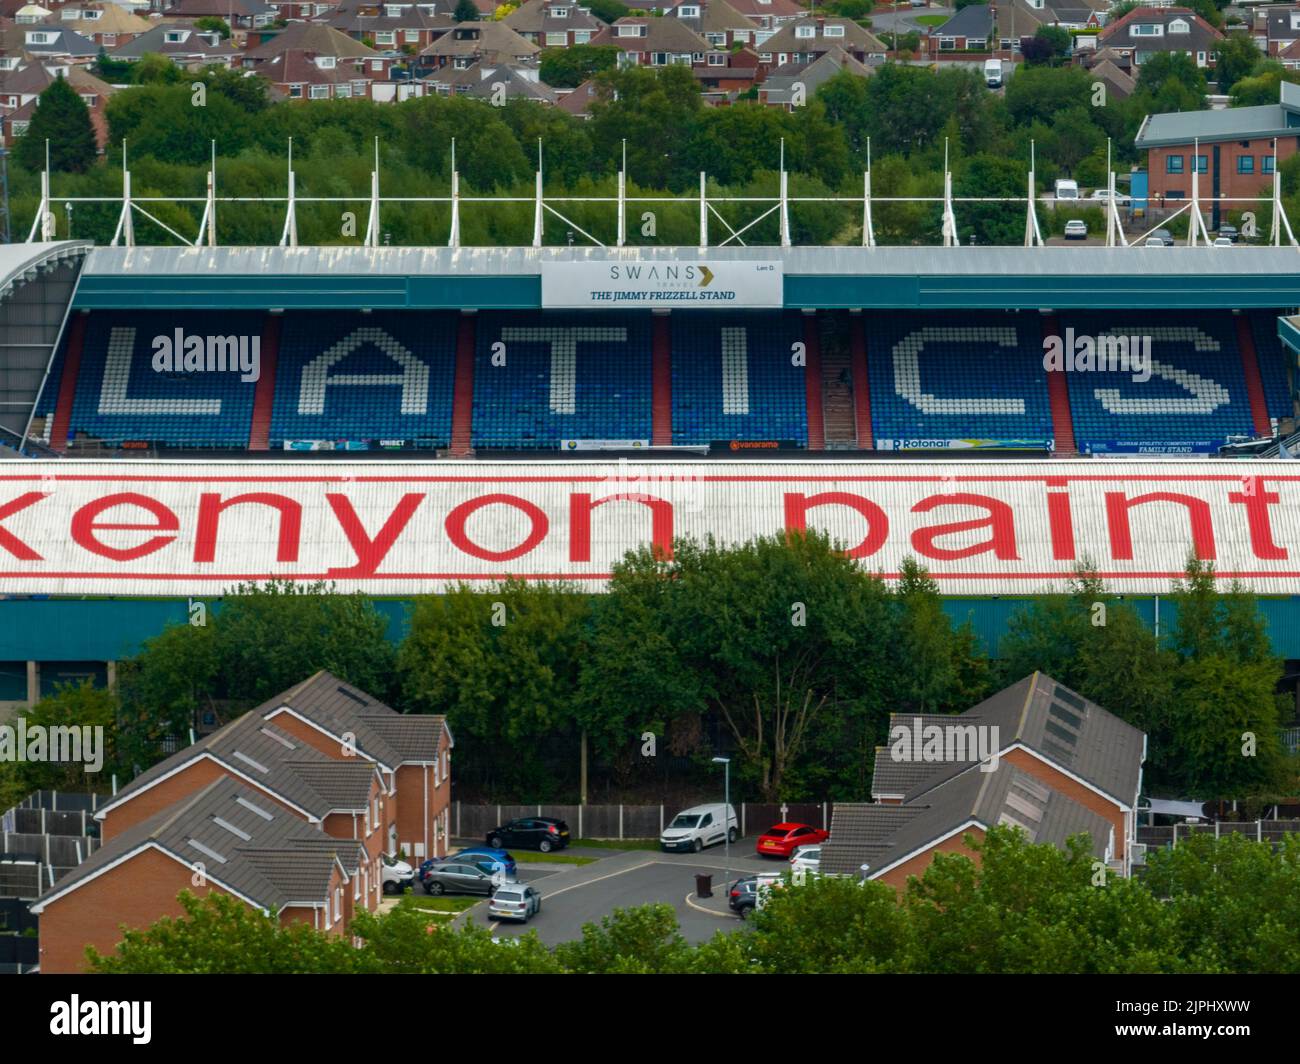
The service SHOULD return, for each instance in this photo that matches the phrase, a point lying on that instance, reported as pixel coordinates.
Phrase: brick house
(806, 39)
(971, 28)
(412, 751)
(1144, 31)
(718, 22)
(226, 838)
(22, 84)
(183, 45)
(406, 27)
(769, 15)
(644, 41)
(1235, 150)
(554, 23)
(480, 42)
(106, 24)
(1064, 767)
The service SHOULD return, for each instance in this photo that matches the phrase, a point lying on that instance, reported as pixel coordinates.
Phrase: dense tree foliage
(906, 119)
(61, 121)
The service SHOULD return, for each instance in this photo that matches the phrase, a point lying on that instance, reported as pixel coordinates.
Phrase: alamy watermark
(179, 353)
(945, 743)
(60, 744)
(1080, 353)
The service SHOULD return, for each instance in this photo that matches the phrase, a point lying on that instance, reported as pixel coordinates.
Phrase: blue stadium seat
(120, 397)
(957, 376)
(1196, 396)
(365, 377)
(1272, 363)
(565, 376)
(734, 377)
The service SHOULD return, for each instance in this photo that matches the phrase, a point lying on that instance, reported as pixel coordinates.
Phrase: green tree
(466, 11)
(71, 706)
(213, 25)
(504, 667)
(570, 67)
(1236, 58)
(62, 119)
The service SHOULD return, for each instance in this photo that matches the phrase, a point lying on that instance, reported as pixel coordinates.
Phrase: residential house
(579, 101)
(1060, 766)
(240, 15)
(645, 41)
(804, 39)
(183, 45)
(554, 23)
(970, 29)
(318, 43)
(105, 24)
(226, 838)
(1276, 28)
(769, 15)
(794, 84)
(407, 27)
(739, 71)
(296, 74)
(496, 84)
(1235, 150)
(412, 750)
(48, 41)
(480, 42)
(22, 84)
(718, 22)
(1017, 20)
(1144, 31)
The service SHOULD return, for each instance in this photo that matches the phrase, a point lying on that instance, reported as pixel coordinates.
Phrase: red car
(780, 840)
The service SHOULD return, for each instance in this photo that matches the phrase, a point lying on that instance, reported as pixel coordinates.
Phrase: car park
(395, 874)
(515, 901)
(457, 877)
(700, 826)
(781, 840)
(544, 833)
(1076, 230)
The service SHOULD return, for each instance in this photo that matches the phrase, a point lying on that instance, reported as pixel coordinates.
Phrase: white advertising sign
(662, 285)
(399, 527)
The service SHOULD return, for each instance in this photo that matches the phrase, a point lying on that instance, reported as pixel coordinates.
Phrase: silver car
(514, 901)
(460, 877)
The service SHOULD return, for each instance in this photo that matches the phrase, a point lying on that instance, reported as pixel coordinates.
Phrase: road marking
(611, 875)
(701, 908)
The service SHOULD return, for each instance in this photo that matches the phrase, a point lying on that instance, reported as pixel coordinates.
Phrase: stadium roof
(18, 261)
(425, 278)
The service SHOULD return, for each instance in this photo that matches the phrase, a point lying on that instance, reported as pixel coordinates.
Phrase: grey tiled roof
(345, 785)
(1064, 728)
(339, 709)
(896, 779)
(228, 828)
(859, 833)
(254, 748)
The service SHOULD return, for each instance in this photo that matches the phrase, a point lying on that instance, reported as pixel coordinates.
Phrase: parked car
(1160, 238)
(515, 902)
(1103, 194)
(1076, 230)
(701, 826)
(746, 894)
(395, 875)
(479, 854)
(809, 858)
(1230, 232)
(1223, 242)
(457, 877)
(503, 872)
(780, 840)
(993, 73)
(543, 833)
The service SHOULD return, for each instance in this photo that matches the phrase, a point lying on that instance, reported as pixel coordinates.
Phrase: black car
(742, 895)
(543, 833)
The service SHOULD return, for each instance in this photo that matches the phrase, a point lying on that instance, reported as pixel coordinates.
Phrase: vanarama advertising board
(980, 527)
(660, 285)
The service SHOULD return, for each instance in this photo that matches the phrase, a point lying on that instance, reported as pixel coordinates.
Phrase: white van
(700, 826)
(1067, 190)
(993, 73)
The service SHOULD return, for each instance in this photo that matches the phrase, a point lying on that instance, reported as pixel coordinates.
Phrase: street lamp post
(725, 762)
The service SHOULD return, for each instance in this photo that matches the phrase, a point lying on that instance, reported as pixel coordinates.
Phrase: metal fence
(1271, 831)
(474, 820)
